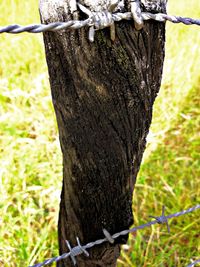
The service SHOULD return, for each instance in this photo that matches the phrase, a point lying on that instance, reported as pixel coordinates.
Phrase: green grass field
(31, 163)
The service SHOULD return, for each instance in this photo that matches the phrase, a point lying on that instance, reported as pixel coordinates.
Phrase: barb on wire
(162, 219)
(79, 249)
(100, 20)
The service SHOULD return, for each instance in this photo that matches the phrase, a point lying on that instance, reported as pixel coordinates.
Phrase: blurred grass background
(30, 157)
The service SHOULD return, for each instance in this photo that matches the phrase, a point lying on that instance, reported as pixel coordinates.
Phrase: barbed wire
(194, 263)
(97, 21)
(82, 249)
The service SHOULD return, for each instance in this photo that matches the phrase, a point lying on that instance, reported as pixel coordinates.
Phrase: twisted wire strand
(77, 24)
(79, 249)
(193, 263)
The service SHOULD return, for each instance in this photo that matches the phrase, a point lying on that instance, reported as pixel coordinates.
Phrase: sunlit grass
(170, 177)
(30, 168)
(181, 70)
(30, 158)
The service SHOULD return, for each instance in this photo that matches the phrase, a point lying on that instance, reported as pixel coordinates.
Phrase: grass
(30, 158)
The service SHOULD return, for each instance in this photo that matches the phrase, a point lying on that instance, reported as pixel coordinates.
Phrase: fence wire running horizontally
(82, 249)
(194, 263)
(97, 21)
(101, 20)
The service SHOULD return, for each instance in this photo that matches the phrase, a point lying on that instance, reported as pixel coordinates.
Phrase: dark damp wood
(103, 95)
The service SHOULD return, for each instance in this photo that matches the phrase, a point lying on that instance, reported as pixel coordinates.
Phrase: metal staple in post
(79, 249)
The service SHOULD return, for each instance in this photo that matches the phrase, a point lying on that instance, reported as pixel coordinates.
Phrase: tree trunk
(103, 94)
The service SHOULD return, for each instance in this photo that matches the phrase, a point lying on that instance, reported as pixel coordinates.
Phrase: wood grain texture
(103, 95)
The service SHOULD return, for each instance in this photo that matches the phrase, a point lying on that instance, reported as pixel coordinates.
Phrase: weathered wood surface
(103, 94)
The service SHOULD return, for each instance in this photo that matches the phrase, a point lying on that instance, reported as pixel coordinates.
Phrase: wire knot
(75, 251)
(100, 20)
(162, 219)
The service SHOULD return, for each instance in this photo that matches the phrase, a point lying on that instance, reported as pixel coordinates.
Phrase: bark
(103, 95)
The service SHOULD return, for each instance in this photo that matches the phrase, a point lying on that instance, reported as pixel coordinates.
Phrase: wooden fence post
(103, 94)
